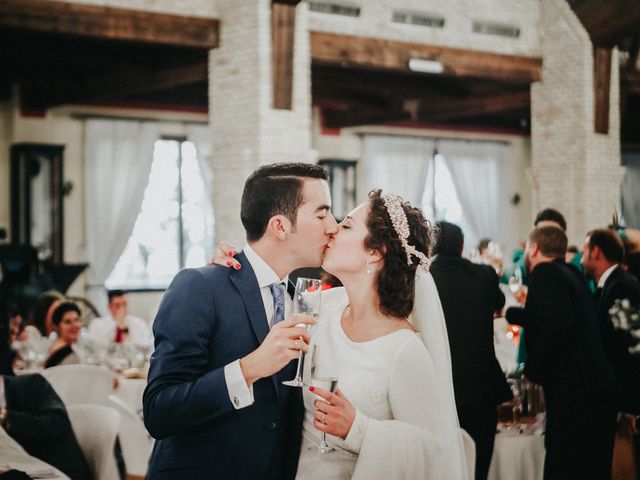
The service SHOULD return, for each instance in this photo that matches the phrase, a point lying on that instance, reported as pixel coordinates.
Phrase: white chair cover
(135, 441)
(80, 384)
(96, 428)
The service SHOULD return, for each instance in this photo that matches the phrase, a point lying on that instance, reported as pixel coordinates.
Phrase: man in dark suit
(603, 253)
(470, 295)
(36, 418)
(565, 356)
(215, 399)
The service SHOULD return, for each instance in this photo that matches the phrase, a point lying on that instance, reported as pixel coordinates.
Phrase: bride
(384, 338)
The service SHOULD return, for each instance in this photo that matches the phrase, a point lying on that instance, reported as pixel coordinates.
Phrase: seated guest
(40, 324)
(34, 416)
(119, 326)
(67, 324)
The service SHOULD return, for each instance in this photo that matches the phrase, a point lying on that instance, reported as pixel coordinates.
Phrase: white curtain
(118, 157)
(630, 190)
(397, 164)
(476, 169)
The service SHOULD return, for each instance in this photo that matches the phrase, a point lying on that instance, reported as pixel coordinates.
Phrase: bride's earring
(368, 268)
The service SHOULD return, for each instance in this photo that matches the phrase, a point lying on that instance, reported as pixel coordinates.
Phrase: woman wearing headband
(384, 338)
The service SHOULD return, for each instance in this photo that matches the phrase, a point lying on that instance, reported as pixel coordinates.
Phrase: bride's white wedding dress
(404, 426)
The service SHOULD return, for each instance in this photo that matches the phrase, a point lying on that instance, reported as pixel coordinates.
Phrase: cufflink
(236, 401)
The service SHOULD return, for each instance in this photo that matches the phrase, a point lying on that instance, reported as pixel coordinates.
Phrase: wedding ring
(296, 344)
(322, 418)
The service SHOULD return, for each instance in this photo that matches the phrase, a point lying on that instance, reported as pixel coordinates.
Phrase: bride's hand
(223, 255)
(335, 415)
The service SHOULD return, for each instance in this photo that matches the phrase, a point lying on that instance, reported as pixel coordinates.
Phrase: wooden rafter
(283, 26)
(65, 18)
(476, 106)
(608, 22)
(363, 52)
(601, 88)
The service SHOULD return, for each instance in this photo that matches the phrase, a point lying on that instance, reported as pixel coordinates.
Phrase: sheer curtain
(397, 164)
(118, 157)
(476, 169)
(629, 192)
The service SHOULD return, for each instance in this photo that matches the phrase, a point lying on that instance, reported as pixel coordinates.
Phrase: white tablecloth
(517, 457)
(12, 455)
(130, 390)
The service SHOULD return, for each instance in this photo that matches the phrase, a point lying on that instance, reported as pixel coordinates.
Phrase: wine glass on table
(306, 301)
(322, 378)
(515, 281)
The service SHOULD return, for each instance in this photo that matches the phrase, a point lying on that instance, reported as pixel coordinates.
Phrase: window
(174, 228)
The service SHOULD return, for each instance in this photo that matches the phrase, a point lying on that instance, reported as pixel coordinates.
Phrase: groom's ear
(279, 226)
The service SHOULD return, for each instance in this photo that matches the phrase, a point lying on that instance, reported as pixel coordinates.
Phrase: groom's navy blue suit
(208, 318)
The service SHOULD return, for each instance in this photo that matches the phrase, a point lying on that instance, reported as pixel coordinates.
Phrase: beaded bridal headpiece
(393, 204)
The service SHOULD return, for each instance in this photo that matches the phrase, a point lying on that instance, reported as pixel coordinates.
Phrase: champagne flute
(515, 281)
(306, 300)
(329, 383)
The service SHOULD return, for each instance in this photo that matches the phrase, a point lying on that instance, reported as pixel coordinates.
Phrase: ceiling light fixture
(425, 66)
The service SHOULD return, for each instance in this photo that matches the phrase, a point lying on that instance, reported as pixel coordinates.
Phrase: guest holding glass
(67, 324)
(565, 356)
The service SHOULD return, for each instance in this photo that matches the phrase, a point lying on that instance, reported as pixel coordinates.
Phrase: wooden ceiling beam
(283, 26)
(477, 106)
(117, 84)
(112, 23)
(363, 52)
(608, 22)
(601, 88)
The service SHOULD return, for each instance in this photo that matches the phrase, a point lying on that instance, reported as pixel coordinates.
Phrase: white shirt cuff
(355, 437)
(239, 393)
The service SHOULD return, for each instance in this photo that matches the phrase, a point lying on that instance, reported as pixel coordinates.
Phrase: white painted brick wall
(375, 21)
(573, 169)
(247, 132)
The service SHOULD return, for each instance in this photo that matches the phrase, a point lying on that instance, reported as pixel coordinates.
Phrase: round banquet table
(517, 457)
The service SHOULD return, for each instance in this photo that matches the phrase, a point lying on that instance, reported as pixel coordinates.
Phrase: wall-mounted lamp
(425, 66)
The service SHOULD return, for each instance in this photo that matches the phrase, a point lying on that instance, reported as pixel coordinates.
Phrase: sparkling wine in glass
(329, 383)
(306, 300)
(515, 281)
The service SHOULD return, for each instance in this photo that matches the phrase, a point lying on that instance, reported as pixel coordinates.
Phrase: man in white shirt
(224, 341)
(119, 326)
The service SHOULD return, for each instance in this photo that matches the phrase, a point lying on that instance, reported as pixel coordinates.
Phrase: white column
(246, 131)
(574, 169)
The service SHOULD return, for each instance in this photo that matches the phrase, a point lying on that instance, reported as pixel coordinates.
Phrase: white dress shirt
(104, 328)
(607, 273)
(240, 394)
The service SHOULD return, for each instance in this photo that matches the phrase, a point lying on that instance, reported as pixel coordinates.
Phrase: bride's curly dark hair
(395, 283)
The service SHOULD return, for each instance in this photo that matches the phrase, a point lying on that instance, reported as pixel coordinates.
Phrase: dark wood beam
(346, 50)
(608, 22)
(286, 2)
(108, 23)
(362, 116)
(119, 83)
(477, 106)
(283, 27)
(601, 88)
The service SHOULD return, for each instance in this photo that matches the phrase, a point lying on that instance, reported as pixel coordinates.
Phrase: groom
(215, 399)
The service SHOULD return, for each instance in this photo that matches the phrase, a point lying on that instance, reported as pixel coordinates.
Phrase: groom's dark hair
(274, 189)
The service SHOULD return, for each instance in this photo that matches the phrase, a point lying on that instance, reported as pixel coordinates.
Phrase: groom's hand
(280, 346)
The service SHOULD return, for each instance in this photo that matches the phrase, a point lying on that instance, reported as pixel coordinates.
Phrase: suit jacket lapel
(247, 284)
(245, 281)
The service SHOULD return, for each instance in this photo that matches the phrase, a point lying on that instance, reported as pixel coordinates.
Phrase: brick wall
(573, 168)
(375, 21)
(247, 132)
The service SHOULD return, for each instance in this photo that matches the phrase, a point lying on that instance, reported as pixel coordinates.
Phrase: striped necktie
(277, 292)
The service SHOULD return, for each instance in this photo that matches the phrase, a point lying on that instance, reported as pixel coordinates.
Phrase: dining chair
(135, 441)
(96, 428)
(80, 384)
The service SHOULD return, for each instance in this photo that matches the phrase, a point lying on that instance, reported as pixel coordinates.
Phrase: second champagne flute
(306, 300)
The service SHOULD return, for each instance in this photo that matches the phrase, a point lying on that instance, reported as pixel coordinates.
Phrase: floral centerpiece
(626, 318)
